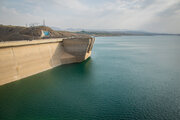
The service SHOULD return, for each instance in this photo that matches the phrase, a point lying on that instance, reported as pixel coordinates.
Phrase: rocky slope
(14, 33)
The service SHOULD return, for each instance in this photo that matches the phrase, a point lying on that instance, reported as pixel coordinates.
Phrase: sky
(162, 16)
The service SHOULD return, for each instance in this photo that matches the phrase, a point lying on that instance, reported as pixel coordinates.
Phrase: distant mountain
(67, 29)
(121, 33)
(109, 32)
(56, 28)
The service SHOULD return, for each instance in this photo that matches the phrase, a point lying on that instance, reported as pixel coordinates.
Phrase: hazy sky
(148, 15)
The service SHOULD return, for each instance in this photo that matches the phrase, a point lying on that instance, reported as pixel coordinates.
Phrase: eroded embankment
(24, 58)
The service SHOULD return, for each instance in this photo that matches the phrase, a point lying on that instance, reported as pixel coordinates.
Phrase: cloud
(10, 16)
(71, 4)
(150, 15)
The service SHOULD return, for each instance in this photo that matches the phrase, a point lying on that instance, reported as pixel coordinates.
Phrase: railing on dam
(28, 42)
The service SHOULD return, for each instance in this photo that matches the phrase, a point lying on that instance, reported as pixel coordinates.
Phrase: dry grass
(14, 33)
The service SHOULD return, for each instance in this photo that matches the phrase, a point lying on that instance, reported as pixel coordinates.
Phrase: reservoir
(128, 77)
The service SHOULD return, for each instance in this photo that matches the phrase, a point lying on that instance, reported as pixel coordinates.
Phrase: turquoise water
(129, 78)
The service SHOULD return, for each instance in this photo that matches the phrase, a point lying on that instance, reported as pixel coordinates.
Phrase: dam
(20, 59)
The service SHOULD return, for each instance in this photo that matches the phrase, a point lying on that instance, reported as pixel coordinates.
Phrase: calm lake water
(129, 78)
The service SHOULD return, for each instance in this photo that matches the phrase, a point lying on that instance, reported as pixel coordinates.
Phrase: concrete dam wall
(21, 59)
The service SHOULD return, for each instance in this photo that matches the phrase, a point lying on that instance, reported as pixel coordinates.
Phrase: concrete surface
(21, 59)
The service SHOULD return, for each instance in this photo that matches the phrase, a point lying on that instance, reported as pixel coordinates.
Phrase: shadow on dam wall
(71, 51)
(60, 56)
(55, 60)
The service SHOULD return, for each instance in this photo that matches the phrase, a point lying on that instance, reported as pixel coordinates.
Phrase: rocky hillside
(14, 33)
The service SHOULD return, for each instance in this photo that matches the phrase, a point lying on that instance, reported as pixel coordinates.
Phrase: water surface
(132, 77)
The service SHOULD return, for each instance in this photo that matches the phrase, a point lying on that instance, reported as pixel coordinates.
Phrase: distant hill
(14, 33)
(120, 33)
(110, 32)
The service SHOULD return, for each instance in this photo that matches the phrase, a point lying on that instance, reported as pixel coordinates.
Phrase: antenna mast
(44, 23)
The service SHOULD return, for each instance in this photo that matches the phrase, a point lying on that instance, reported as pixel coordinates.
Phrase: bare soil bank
(14, 33)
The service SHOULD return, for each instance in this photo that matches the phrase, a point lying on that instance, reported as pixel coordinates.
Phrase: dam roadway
(20, 59)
